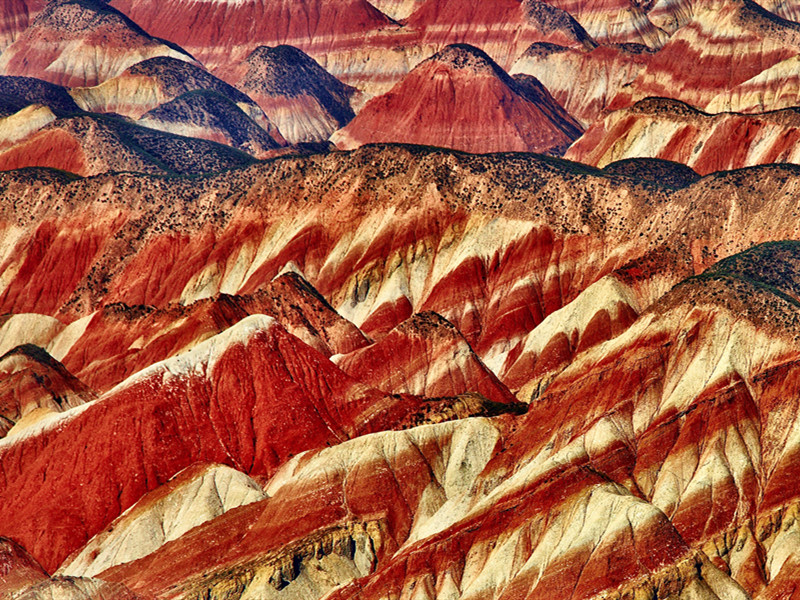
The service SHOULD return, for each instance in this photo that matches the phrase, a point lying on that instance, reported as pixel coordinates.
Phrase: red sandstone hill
(219, 33)
(461, 99)
(583, 80)
(657, 451)
(425, 355)
(33, 384)
(90, 144)
(152, 82)
(15, 17)
(726, 43)
(211, 116)
(671, 130)
(503, 29)
(81, 42)
(306, 102)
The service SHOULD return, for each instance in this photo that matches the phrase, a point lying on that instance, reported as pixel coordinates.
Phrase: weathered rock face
(17, 93)
(503, 29)
(32, 385)
(584, 81)
(299, 401)
(223, 32)
(425, 356)
(619, 22)
(77, 588)
(461, 99)
(671, 130)
(211, 116)
(15, 17)
(306, 102)
(18, 569)
(274, 319)
(81, 42)
(113, 343)
(150, 83)
(705, 59)
(91, 144)
(196, 495)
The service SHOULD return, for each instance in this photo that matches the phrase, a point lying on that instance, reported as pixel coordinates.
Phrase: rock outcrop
(306, 102)
(461, 99)
(81, 42)
(671, 130)
(211, 116)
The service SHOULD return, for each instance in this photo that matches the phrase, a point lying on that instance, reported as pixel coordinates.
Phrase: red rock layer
(306, 102)
(584, 81)
(221, 32)
(81, 43)
(15, 16)
(726, 43)
(120, 340)
(32, 381)
(90, 144)
(620, 21)
(426, 356)
(503, 29)
(18, 569)
(461, 99)
(670, 130)
(195, 407)
(150, 83)
(211, 116)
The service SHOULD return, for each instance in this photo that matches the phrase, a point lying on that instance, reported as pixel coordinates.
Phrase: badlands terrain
(399, 300)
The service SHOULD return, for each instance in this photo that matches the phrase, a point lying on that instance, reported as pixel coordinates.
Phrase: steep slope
(15, 17)
(194, 496)
(91, 144)
(489, 245)
(397, 9)
(461, 99)
(81, 42)
(671, 130)
(306, 102)
(211, 116)
(193, 407)
(772, 89)
(18, 92)
(221, 33)
(77, 588)
(584, 81)
(726, 43)
(503, 29)
(32, 385)
(119, 340)
(425, 355)
(618, 22)
(322, 524)
(150, 83)
(18, 569)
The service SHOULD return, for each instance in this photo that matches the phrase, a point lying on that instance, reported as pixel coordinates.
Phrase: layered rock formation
(461, 99)
(15, 18)
(704, 59)
(150, 83)
(671, 130)
(583, 81)
(426, 356)
(221, 33)
(281, 320)
(34, 385)
(306, 102)
(81, 42)
(88, 145)
(211, 116)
